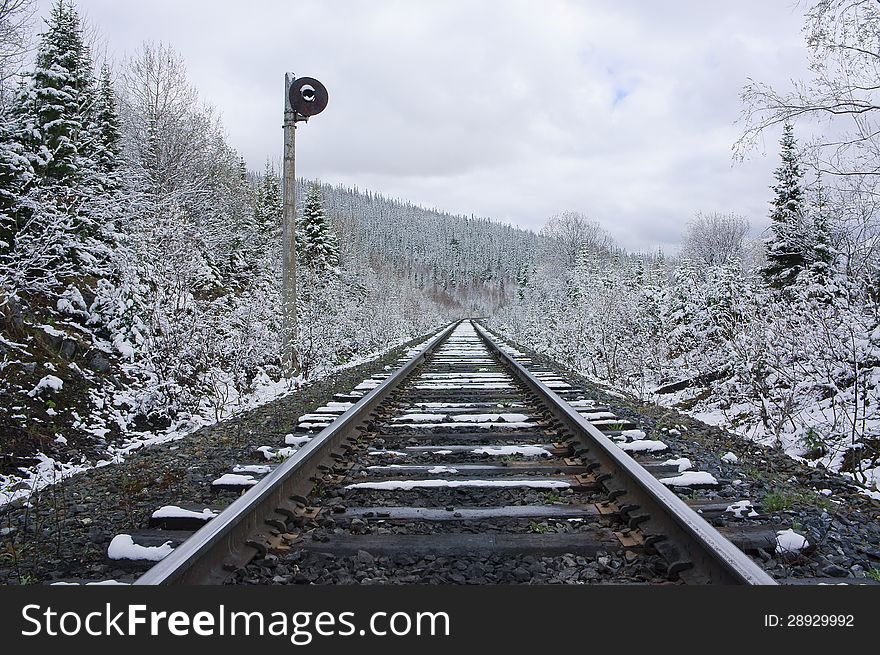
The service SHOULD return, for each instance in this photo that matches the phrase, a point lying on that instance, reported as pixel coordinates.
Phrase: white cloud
(509, 109)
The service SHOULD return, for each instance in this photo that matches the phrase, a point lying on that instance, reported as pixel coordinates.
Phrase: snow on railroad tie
(274, 455)
(484, 418)
(593, 416)
(323, 418)
(419, 418)
(555, 384)
(255, 469)
(408, 485)
(586, 404)
(337, 406)
(485, 425)
(466, 418)
(443, 405)
(296, 440)
(644, 445)
(123, 547)
(175, 512)
(481, 385)
(458, 376)
(430, 470)
(108, 583)
(500, 451)
(742, 508)
(683, 464)
(691, 479)
(630, 435)
(500, 379)
(234, 480)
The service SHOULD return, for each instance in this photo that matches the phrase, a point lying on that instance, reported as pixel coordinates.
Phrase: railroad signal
(307, 96)
(303, 97)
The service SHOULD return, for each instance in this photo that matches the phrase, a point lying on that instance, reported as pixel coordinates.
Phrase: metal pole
(288, 247)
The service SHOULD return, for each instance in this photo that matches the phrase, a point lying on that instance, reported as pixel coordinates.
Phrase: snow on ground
(48, 382)
(33, 478)
(789, 541)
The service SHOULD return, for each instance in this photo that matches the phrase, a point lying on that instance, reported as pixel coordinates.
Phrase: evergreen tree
(60, 95)
(268, 205)
(786, 253)
(106, 130)
(16, 173)
(318, 247)
(824, 255)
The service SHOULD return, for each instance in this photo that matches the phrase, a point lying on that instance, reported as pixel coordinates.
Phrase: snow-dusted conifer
(268, 204)
(16, 173)
(106, 129)
(318, 247)
(59, 94)
(786, 252)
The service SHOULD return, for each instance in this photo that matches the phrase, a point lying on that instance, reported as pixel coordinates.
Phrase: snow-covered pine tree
(106, 135)
(318, 246)
(824, 255)
(57, 97)
(268, 204)
(786, 252)
(16, 173)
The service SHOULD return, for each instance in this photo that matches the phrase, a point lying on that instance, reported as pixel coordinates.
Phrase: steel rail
(200, 559)
(709, 551)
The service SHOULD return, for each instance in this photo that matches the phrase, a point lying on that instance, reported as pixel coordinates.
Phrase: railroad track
(466, 460)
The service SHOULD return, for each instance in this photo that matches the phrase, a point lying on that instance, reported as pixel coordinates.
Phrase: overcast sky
(623, 110)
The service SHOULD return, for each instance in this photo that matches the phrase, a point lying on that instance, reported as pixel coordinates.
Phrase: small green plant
(815, 444)
(551, 497)
(780, 500)
(538, 528)
(754, 473)
(874, 574)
